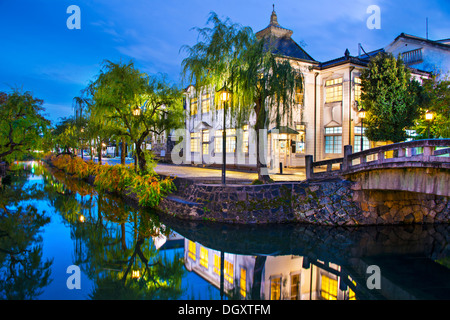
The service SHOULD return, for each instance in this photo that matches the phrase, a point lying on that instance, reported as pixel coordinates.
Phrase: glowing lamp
(136, 112)
(362, 113)
(224, 94)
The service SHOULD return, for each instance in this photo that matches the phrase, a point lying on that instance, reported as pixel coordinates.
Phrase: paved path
(214, 174)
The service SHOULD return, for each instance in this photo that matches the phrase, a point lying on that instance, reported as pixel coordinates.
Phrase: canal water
(62, 240)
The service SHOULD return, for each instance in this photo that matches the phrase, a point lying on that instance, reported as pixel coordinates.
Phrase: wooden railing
(404, 154)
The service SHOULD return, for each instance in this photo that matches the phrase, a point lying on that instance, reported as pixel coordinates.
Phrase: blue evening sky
(38, 53)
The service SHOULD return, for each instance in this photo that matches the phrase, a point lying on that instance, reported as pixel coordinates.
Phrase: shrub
(118, 178)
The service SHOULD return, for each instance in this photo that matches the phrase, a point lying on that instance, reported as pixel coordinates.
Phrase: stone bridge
(401, 183)
(421, 166)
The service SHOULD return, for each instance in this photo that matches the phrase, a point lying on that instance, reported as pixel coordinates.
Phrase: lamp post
(362, 116)
(429, 117)
(82, 145)
(224, 97)
(136, 112)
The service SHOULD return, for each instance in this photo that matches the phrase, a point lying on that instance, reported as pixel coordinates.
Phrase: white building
(286, 277)
(324, 121)
(422, 54)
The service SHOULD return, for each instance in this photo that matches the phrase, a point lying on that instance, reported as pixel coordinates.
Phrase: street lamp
(224, 98)
(362, 116)
(136, 112)
(429, 117)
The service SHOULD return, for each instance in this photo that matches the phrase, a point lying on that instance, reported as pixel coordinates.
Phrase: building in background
(421, 53)
(326, 117)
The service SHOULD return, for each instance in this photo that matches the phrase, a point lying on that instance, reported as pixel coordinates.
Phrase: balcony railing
(413, 56)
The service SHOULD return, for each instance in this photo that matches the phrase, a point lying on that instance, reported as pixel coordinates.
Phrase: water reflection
(113, 243)
(311, 262)
(128, 253)
(23, 272)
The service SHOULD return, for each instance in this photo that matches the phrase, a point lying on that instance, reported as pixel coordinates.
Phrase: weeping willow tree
(133, 105)
(262, 84)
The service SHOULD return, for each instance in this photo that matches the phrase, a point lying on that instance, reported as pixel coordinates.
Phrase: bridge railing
(411, 153)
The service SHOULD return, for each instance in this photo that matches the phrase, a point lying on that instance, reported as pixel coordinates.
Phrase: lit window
(245, 139)
(194, 106)
(204, 257)
(328, 290)
(351, 293)
(333, 90)
(205, 141)
(217, 264)
(357, 144)
(357, 89)
(333, 140)
(195, 139)
(243, 283)
(298, 96)
(300, 139)
(295, 286)
(275, 288)
(228, 271)
(192, 250)
(230, 145)
(220, 103)
(206, 103)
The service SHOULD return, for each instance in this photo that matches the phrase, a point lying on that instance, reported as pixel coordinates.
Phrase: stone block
(409, 219)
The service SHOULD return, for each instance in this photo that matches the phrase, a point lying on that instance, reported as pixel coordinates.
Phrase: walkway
(213, 174)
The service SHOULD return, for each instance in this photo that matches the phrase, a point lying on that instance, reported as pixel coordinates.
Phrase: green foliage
(261, 83)
(390, 97)
(66, 134)
(132, 105)
(149, 189)
(437, 101)
(114, 178)
(22, 125)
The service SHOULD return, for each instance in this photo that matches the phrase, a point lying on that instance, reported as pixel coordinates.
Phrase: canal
(61, 239)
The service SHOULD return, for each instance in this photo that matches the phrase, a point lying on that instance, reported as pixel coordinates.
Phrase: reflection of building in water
(273, 277)
(173, 240)
(237, 269)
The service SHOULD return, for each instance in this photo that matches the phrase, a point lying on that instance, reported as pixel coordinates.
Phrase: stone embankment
(329, 202)
(336, 202)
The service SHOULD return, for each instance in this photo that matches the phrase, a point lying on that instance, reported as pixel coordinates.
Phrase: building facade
(285, 277)
(326, 117)
(422, 54)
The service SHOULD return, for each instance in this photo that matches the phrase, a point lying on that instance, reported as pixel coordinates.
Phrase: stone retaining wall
(331, 202)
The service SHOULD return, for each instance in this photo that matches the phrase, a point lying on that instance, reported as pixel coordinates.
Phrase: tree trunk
(122, 236)
(258, 276)
(141, 158)
(100, 154)
(261, 166)
(123, 152)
